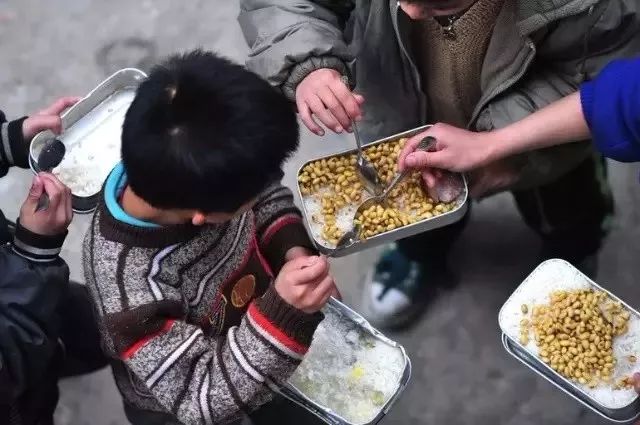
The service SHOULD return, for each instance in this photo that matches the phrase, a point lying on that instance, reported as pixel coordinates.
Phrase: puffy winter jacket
(33, 281)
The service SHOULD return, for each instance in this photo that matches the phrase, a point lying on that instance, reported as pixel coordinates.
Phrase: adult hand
(47, 119)
(56, 218)
(457, 150)
(324, 94)
(305, 283)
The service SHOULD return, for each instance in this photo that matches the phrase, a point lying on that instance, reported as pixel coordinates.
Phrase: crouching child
(203, 276)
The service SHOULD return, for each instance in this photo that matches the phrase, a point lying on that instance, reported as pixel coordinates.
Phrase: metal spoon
(366, 171)
(49, 158)
(427, 144)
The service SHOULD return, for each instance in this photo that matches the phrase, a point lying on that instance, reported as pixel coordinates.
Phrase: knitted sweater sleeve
(279, 225)
(611, 106)
(201, 378)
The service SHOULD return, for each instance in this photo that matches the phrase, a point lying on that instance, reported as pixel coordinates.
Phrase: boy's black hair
(206, 134)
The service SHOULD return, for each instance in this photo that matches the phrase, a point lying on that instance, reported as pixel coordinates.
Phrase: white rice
(349, 371)
(556, 275)
(93, 145)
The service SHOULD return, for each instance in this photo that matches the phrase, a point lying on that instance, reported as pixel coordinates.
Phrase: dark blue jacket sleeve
(14, 150)
(33, 280)
(611, 105)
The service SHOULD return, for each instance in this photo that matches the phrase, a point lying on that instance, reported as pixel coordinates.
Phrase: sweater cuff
(38, 248)
(586, 100)
(300, 71)
(282, 235)
(291, 327)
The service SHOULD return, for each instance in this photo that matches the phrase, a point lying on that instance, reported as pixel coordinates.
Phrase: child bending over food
(206, 284)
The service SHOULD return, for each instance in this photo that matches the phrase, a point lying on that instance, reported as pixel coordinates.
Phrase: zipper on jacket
(505, 85)
(416, 75)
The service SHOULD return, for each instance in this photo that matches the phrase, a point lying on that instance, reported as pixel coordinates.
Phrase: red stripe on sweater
(136, 346)
(277, 225)
(276, 332)
(263, 261)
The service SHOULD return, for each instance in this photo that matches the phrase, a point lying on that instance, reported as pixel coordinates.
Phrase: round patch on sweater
(243, 291)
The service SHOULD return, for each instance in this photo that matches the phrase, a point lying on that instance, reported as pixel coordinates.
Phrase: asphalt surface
(461, 375)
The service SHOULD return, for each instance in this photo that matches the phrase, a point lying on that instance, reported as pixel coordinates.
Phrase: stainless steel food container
(625, 415)
(393, 235)
(326, 414)
(124, 80)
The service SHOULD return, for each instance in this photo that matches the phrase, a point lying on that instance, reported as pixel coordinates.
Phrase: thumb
(302, 262)
(421, 160)
(37, 188)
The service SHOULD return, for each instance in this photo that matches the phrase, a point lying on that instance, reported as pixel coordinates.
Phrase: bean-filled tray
(578, 336)
(331, 191)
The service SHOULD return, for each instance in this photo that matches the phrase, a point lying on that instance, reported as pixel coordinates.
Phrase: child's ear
(198, 219)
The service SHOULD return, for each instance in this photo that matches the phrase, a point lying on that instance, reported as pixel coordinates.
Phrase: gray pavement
(461, 374)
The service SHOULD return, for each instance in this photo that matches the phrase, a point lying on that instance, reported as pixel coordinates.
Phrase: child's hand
(55, 219)
(47, 119)
(636, 382)
(305, 283)
(324, 95)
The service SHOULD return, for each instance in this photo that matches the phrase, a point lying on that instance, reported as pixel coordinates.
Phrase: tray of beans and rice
(578, 336)
(331, 191)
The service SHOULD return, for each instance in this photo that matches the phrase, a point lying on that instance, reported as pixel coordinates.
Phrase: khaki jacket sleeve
(570, 51)
(290, 39)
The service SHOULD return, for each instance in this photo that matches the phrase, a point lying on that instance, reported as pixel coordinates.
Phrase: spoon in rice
(427, 144)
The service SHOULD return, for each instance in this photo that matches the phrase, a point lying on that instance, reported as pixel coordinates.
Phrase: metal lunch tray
(325, 413)
(624, 415)
(123, 80)
(390, 236)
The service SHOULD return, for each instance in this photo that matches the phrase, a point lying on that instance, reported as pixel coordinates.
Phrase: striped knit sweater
(189, 313)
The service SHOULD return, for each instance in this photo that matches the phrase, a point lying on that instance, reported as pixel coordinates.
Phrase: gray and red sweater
(190, 313)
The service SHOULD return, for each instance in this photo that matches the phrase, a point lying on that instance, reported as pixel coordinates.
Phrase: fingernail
(320, 132)
(349, 129)
(338, 129)
(313, 260)
(358, 118)
(410, 161)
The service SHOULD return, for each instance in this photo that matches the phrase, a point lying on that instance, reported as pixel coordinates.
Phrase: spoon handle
(43, 202)
(427, 144)
(356, 135)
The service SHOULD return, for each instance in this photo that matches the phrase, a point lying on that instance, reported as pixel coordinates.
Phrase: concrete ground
(461, 373)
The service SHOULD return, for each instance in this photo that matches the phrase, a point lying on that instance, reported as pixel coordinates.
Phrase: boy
(34, 282)
(197, 259)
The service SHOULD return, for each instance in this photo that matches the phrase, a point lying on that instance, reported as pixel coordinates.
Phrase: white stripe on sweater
(204, 399)
(155, 268)
(220, 263)
(239, 356)
(151, 380)
(273, 341)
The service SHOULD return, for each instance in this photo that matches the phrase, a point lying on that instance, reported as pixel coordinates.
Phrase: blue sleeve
(611, 105)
